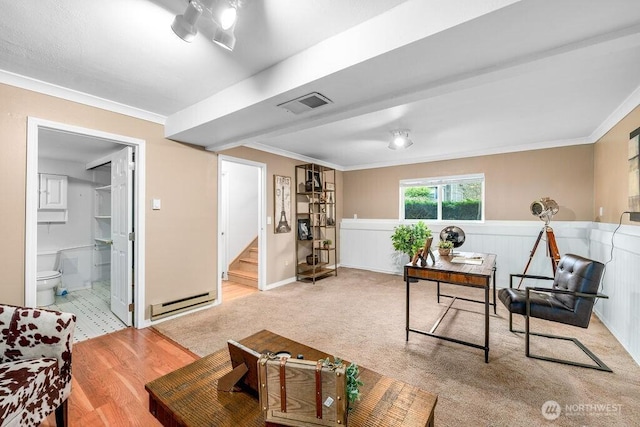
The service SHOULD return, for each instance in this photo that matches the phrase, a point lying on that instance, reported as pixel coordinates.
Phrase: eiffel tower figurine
(283, 224)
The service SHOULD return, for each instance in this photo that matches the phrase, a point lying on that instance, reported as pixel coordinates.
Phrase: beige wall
(180, 249)
(512, 182)
(612, 170)
(282, 247)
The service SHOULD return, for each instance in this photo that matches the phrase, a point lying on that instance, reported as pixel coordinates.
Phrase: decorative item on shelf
(326, 243)
(312, 259)
(445, 247)
(313, 180)
(304, 229)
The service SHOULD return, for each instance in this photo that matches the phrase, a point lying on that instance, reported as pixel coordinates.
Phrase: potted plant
(445, 247)
(409, 239)
(327, 243)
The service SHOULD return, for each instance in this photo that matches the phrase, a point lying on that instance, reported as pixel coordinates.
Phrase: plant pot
(312, 259)
(444, 252)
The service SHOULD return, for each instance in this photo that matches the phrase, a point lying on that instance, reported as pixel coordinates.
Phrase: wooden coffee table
(189, 395)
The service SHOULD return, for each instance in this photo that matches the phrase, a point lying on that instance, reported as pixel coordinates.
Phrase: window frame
(440, 182)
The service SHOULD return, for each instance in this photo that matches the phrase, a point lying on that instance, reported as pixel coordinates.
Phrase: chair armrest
(526, 276)
(565, 292)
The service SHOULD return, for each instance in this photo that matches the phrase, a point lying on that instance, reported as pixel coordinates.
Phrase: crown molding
(45, 88)
(627, 106)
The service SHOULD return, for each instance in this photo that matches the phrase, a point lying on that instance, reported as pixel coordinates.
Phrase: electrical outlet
(286, 262)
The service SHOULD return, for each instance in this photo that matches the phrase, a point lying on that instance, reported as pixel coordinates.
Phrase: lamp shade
(225, 38)
(185, 25)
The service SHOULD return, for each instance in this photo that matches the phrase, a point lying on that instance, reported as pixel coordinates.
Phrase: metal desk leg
(495, 304)
(407, 308)
(486, 324)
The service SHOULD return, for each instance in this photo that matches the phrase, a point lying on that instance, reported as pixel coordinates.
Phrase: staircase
(244, 269)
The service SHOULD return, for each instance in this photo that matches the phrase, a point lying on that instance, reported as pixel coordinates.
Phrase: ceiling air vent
(305, 103)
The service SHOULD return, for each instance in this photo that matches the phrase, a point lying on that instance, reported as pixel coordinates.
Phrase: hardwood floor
(232, 290)
(109, 374)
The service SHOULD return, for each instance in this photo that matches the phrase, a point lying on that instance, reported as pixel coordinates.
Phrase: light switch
(155, 204)
(268, 220)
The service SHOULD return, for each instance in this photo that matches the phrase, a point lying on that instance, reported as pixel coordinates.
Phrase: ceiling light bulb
(400, 139)
(228, 17)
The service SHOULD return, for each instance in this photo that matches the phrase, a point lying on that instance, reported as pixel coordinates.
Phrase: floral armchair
(35, 365)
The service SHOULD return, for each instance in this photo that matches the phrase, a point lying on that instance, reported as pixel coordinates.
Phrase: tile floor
(91, 307)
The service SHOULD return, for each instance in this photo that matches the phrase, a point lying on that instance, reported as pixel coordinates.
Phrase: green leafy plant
(327, 242)
(410, 238)
(445, 244)
(353, 384)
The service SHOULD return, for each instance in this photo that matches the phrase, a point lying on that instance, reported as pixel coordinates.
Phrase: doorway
(92, 141)
(241, 226)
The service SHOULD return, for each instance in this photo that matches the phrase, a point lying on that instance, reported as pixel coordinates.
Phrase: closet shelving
(102, 228)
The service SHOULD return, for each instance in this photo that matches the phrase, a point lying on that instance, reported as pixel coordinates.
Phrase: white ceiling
(467, 77)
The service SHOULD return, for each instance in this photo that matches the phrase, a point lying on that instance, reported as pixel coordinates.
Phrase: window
(448, 198)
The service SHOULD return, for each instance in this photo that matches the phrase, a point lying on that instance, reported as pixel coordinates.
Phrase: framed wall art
(304, 229)
(282, 203)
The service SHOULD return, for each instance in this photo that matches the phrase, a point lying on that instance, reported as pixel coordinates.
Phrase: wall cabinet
(53, 191)
(52, 198)
(316, 222)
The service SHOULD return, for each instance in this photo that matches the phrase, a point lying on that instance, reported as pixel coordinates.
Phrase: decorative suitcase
(301, 392)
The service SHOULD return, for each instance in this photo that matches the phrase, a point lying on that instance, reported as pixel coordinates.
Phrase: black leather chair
(569, 301)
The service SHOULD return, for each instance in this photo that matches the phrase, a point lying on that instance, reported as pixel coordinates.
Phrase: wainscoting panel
(620, 313)
(366, 244)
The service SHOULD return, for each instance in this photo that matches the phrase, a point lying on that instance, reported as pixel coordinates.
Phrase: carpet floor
(360, 316)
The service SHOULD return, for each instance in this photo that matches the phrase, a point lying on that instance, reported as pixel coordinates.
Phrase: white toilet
(47, 279)
(46, 287)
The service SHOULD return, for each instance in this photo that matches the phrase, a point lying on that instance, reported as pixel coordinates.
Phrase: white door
(224, 221)
(121, 227)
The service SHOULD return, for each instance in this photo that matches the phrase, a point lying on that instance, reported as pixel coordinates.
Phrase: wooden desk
(445, 271)
(189, 396)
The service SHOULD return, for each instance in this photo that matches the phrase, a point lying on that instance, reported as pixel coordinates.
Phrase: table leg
(438, 286)
(495, 304)
(486, 323)
(407, 308)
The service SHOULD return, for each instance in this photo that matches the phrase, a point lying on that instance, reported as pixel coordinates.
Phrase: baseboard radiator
(158, 311)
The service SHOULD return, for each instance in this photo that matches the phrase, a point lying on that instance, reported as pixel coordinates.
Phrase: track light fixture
(185, 25)
(223, 14)
(400, 139)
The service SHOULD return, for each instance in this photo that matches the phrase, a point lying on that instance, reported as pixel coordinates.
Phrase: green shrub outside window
(446, 198)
